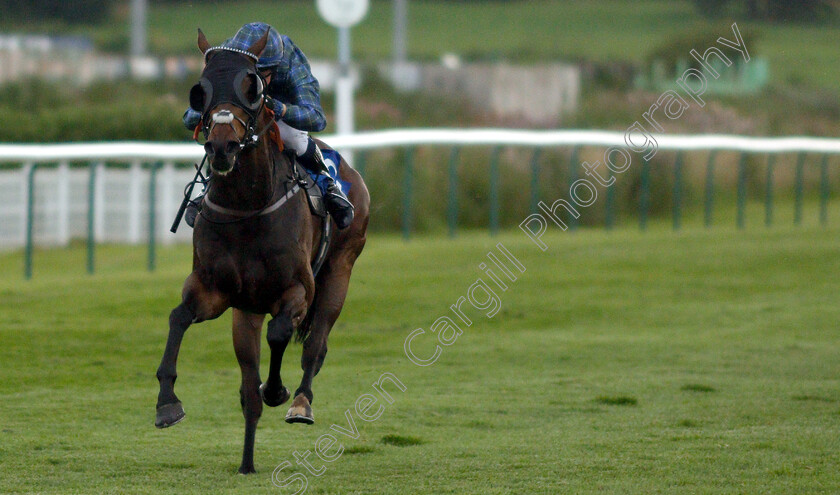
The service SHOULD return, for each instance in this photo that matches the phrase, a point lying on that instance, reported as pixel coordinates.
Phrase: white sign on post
(342, 13)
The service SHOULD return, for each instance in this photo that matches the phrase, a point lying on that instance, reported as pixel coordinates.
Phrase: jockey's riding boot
(339, 206)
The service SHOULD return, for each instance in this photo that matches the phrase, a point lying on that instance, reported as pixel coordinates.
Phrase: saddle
(314, 195)
(317, 206)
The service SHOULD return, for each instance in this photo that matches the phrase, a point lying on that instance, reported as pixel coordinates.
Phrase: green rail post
(408, 185)
(742, 189)
(452, 207)
(678, 164)
(768, 192)
(91, 218)
(30, 220)
(710, 189)
(360, 162)
(494, 191)
(153, 215)
(609, 214)
(800, 169)
(535, 180)
(824, 190)
(573, 166)
(644, 195)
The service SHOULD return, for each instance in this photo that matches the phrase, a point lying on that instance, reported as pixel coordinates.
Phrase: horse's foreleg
(199, 304)
(246, 344)
(280, 330)
(169, 408)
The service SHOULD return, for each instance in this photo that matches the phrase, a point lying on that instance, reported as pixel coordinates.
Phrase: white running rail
(61, 193)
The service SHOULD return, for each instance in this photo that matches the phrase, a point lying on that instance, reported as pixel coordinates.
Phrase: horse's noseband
(226, 117)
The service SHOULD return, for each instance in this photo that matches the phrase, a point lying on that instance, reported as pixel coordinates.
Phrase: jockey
(289, 81)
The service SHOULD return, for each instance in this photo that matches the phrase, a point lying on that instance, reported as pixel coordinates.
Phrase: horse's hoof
(247, 470)
(274, 400)
(300, 412)
(169, 414)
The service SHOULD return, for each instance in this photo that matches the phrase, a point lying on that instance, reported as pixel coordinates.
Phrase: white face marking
(223, 117)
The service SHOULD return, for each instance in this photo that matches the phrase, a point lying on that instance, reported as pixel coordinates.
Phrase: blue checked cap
(250, 34)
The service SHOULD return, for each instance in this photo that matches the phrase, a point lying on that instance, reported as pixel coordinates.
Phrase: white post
(344, 89)
(63, 204)
(138, 28)
(344, 84)
(343, 14)
(400, 23)
(135, 178)
(344, 108)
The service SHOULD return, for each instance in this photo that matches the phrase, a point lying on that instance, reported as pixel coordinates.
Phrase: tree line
(72, 12)
(770, 10)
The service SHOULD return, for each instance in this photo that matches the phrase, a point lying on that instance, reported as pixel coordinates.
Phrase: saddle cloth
(316, 198)
(333, 161)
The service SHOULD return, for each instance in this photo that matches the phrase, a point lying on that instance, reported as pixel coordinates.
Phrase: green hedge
(770, 10)
(71, 12)
(44, 112)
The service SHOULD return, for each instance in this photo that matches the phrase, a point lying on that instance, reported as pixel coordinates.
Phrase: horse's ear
(203, 44)
(259, 45)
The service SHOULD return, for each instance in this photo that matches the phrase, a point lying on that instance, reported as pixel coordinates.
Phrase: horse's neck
(252, 183)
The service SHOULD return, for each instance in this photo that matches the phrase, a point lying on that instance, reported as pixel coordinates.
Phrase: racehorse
(254, 244)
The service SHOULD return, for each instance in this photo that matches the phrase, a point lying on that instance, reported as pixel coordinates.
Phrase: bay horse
(253, 250)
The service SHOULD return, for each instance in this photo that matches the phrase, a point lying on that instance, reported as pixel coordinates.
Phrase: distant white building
(540, 94)
(73, 59)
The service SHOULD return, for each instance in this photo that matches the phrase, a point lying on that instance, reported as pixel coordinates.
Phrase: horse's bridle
(225, 117)
(203, 98)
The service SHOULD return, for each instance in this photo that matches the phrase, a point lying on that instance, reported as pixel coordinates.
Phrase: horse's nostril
(208, 148)
(231, 147)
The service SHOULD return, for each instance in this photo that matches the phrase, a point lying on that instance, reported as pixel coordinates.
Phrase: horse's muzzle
(222, 155)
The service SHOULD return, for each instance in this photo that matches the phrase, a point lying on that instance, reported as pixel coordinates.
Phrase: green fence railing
(90, 214)
(646, 189)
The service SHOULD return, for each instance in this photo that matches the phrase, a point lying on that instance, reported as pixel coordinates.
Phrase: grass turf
(622, 362)
(529, 31)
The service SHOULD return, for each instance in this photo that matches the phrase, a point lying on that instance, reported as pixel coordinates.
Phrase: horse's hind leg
(280, 330)
(279, 334)
(329, 299)
(246, 344)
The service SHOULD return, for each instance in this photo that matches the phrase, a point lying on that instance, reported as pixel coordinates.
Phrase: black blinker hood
(221, 82)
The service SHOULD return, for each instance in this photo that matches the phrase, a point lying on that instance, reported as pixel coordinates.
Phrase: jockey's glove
(277, 106)
(271, 103)
(191, 119)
